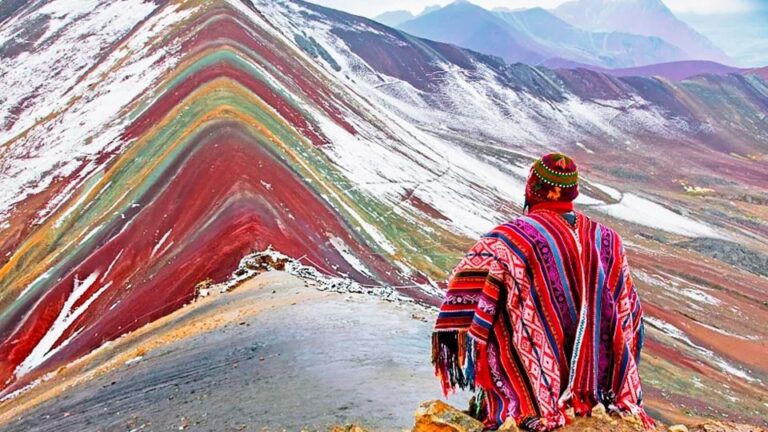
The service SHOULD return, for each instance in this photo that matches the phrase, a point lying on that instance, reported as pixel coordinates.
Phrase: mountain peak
(642, 17)
(536, 36)
(397, 17)
(394, 18)
(429, 9)
(463, 4)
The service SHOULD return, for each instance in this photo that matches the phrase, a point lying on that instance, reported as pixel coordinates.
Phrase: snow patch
(641, 211)
(160, 243)
(343, 249)
(112, 264)
(134, 360)
(699, 296)
(611, 192)
(68, 315)
(707, 355)
(90, 234)
(270, 259)
(71, 118)
(16, 393)
(582, 146)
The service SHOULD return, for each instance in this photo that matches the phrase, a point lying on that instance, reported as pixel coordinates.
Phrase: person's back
(542, 315)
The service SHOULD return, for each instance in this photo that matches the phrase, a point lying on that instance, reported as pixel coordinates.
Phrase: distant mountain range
(536, 36)
(395, 18)
(641, 17)
(744, 35)
(562, 36)
(675, 71)
(470, 26)
(611, 49)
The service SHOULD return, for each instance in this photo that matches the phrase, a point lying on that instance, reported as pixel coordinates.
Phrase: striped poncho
(541, 316)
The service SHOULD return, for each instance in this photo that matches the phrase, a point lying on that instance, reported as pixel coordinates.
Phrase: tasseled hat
(555, 178)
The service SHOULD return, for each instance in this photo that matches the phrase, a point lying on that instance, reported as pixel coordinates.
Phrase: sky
(371, 8)
(743, 36)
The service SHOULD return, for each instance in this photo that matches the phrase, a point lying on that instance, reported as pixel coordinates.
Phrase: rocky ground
(274, 353)
(732, 253)
(437, 416)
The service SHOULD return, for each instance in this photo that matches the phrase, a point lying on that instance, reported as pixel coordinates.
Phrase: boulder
(438, 416)
(599, 412)
(509, 426)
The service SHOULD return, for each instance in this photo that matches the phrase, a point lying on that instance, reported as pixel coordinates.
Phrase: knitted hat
(554, 177)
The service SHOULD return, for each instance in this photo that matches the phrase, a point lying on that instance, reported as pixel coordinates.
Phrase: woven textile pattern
(540, 317)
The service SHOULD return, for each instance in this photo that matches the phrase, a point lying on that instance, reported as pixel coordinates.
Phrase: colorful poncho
(553, 321)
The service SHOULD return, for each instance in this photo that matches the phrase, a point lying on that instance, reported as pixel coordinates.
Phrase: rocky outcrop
(437, 416)
(731, 253)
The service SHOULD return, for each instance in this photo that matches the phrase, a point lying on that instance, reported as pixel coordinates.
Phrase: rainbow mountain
(146, 147)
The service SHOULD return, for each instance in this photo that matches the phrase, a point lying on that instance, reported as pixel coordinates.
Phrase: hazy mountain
(470, 26)
(744, 36)
(642, 17)
(675, 71)
(395, 18)
(536, 36)
(429, 9)
(610, 49)
(678, 71)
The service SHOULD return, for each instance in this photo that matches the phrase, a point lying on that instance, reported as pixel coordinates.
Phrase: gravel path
(325, 359)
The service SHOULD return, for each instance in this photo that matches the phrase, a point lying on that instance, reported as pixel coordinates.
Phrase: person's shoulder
(502, 234)
(605, 230)
(507, 228)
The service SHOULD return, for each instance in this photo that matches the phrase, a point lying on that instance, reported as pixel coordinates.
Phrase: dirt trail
(272, 354)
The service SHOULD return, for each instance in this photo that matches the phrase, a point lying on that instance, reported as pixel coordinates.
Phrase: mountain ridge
(397, 17)
(394, 18)
(676, 71)
(494, 32)
(536, 35)
(643, 17)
